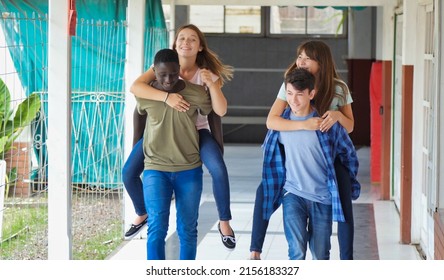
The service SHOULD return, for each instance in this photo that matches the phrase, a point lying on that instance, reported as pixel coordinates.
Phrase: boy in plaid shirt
(305, 183)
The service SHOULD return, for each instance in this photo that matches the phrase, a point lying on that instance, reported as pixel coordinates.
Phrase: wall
(438, 218)
(439, 215)
(20, 158)
(361, 42)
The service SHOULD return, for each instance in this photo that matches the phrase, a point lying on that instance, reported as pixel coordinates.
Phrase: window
(306, 20)
(274, 20)
(226, 19)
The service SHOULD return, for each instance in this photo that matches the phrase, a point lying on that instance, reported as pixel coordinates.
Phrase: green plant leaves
(5, 100)
(3, 142)
(27, 110)
(10, 128)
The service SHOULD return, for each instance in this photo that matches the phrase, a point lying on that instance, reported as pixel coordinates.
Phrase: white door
(429, 137)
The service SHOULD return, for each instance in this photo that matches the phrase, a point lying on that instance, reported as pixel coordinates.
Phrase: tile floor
(244, 167)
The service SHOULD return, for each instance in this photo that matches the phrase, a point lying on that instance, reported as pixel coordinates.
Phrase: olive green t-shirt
(170, 140)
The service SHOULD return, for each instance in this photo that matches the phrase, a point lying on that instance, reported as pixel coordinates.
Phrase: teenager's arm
(276, 122)
(218, 100)
(344, 116)
(142, 89)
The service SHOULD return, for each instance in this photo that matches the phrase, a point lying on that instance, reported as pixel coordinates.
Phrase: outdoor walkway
(376, 221)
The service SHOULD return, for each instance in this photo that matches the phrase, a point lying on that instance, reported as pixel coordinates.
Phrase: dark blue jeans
(211, 157)
(345, 229)
(158, 188)
(131, 177)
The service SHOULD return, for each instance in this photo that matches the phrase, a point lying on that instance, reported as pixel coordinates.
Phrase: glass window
(282, 20)
(306, 20)
(226, 19)
(209, 18)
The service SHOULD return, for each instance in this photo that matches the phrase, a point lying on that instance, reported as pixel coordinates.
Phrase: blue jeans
(260, 225)
(345, 229)
(158, 187)
(131, 171)
(211, 157)
(306, 221)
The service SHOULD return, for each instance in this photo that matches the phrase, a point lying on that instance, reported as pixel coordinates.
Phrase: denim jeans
(131, 171)
(345, 229)
(306, 221)
(260, 225)
(213, 160)
(211, 157)
(158, 187)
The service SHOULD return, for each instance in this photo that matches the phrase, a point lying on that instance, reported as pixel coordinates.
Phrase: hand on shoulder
(176, 101)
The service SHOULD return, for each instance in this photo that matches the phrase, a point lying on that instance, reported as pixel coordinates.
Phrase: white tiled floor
(244, 163)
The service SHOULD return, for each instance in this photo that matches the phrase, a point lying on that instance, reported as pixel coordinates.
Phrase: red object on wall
(375, 121)
(72, 20)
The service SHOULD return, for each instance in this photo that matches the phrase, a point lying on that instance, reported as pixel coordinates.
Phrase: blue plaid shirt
(334, 143)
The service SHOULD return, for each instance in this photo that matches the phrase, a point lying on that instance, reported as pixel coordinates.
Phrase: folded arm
(276, 122)
(141, 88)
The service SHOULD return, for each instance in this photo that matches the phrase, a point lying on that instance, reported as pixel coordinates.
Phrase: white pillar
(410, 55)
(440, 22)
(172, 30)
(133, 69)
(409, 32)
(59, 132)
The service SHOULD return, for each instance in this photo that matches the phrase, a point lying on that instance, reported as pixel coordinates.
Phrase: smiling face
(299, 100)
(187, 43)
(306, 62)
(167, 74)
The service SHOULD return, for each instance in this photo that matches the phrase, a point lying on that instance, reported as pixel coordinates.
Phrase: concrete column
(59, 132)
(133, 69)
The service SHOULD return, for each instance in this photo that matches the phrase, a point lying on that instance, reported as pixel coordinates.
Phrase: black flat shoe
(135, 229)
(229, 241)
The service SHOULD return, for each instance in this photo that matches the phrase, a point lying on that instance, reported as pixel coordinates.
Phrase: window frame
(226, 34)
(265, 29)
